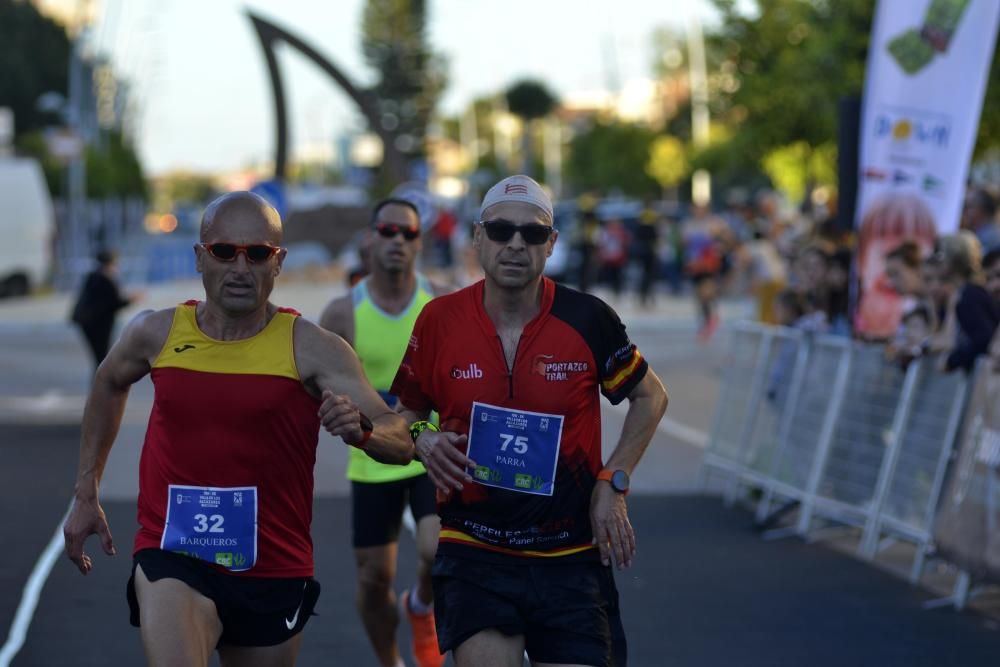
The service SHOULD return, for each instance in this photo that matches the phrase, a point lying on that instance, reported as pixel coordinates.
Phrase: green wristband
(416, 428)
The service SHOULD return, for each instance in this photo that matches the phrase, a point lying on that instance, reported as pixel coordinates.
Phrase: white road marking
(48, 402)
(29, 598)
(671, 427)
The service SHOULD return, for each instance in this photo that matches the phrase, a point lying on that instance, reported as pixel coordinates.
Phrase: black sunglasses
(502, 231)
(389, 230)
(227, 252)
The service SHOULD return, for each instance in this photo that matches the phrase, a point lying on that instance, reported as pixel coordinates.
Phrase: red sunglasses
(227, 252)
(389, 230)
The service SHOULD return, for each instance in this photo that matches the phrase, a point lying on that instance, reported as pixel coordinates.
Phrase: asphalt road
(704, 589)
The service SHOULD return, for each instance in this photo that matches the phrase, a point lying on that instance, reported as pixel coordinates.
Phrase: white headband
(518, 188)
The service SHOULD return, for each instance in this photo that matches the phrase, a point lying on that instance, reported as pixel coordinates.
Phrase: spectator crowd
(800, 267)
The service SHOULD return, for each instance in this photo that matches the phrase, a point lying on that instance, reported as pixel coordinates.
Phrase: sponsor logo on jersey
(556, 371)
(620, 356)
(472, 372)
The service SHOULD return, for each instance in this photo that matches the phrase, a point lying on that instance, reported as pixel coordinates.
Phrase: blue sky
(200, 77)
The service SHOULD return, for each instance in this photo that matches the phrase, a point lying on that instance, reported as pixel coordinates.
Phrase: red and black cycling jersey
(575, 349)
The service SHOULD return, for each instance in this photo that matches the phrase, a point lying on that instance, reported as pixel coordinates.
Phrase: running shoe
(424, 634)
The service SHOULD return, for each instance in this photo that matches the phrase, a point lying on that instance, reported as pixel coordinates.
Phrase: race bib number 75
(514, 449)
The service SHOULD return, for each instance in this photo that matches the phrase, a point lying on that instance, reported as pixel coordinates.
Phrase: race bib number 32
(514, 449)
(218, 525)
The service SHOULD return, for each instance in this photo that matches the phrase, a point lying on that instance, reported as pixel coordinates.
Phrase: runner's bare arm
(331, 371)
(128, 361)
(613, 533)
(338, 317)
(440, 453)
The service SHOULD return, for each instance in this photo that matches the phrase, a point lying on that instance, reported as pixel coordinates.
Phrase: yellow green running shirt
(380, 339)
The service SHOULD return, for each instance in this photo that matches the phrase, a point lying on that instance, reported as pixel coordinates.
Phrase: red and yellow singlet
(234, 414)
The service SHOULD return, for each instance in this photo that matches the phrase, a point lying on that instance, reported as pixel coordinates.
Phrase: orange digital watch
(617, 478)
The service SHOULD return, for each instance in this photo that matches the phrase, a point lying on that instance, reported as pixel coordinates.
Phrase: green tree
(34, 57)
(989, 122)
(529, 100)
(671, 68)
(32, 144)
(410, 76)
(668, 163)
(483, 110)
(796, 168)
(612, 155)
(790, 62)
(113, 169)
(183, 187)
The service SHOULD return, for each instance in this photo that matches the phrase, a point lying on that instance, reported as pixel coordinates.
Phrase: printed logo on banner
(907, 128)
(873, 174)
(926, 73)
(901, 177)
(932, 185)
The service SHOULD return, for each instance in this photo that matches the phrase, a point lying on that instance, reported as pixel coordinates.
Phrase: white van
(26, 223)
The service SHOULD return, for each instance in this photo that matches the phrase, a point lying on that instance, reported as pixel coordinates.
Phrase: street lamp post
(701, 180)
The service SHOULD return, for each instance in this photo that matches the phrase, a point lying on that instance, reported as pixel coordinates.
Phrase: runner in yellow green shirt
(376, 318)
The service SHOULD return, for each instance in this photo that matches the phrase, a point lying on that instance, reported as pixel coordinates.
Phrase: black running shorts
(567, 612)
(377, 508)
(255, 611)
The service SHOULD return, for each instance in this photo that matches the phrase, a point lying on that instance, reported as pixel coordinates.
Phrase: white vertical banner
(928, 62)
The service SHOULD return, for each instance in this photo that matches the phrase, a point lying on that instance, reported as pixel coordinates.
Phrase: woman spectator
(975, 312)
(939, 293)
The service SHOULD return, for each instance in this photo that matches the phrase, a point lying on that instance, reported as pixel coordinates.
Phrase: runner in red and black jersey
(530, 517)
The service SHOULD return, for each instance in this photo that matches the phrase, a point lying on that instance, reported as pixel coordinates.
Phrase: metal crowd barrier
(828, 425)
(967, 523)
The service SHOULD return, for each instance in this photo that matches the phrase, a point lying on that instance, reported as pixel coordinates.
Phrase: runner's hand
(613, 533)
(86, 519)
(445, 463)
(340, 416)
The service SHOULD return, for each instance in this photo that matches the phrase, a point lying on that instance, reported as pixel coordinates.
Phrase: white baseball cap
(519, 188)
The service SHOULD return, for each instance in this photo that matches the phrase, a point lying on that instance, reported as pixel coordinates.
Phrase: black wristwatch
(617, 478)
